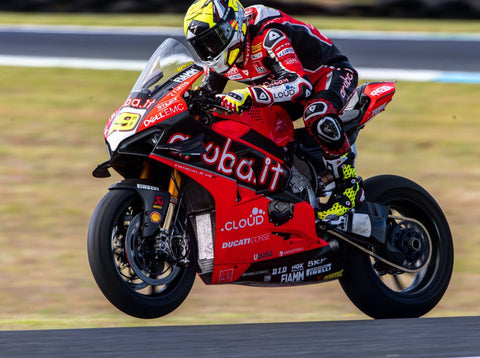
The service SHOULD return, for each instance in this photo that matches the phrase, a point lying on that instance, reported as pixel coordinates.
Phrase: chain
(374, 255)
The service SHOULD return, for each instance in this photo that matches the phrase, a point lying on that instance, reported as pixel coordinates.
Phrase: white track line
(417, 75)
(133, 65)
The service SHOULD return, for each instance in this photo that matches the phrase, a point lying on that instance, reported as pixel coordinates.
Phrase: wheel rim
(410, 284)
(145, 272)
(151, 265)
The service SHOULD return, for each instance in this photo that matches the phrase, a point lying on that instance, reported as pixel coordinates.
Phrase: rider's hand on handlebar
(237, 100)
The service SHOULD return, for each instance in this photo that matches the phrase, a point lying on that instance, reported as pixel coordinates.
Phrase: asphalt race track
(375, 50)
(425, 337)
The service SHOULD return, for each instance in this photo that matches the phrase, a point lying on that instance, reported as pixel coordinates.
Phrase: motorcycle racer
(284, 61)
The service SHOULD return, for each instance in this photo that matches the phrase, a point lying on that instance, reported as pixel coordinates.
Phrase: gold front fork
(146, 170)
(173, 187)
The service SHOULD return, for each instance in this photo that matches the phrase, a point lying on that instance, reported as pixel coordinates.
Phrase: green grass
(322, 22)
(52, 138)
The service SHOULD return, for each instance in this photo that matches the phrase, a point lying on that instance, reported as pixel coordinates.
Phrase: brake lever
(221, 108)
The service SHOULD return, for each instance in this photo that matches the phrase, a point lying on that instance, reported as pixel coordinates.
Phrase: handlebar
(201, 101)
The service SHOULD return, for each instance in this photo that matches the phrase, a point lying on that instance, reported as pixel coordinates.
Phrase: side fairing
(229, 156)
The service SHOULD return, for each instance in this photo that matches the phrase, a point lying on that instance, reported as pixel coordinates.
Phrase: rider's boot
(348, 191)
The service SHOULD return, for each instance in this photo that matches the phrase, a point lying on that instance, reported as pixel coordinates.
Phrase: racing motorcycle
(232, 198)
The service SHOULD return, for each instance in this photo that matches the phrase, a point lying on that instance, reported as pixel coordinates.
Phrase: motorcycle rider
(286, 62)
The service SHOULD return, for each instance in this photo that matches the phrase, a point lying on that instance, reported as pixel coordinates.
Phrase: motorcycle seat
(350, 111)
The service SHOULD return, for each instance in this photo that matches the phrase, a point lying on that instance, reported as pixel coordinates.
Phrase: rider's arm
(291, 82)
(213, 82)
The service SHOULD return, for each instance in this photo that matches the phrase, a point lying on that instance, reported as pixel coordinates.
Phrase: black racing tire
(111, 271)
(368, 290)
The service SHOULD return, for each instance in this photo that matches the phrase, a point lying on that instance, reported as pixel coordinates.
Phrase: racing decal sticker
(124, 122)
(139, 102)
(252, 168)
(225, 276)
(186, 74)
(257, 217)
(285, 52)
(164, 111)
(155, 217)
(262, 255)
(257, 48)
(159, 202)
(273, 37)
(261, 95)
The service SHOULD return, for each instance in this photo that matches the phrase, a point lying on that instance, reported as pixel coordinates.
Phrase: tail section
(368, 100)
(379, 94)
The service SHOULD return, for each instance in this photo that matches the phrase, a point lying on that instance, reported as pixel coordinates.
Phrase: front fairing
(156, 95)
(154, 119)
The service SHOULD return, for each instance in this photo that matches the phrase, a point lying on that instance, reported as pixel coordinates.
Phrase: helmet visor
(212, 42)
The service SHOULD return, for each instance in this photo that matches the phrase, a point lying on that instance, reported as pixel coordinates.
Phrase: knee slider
(329, 129)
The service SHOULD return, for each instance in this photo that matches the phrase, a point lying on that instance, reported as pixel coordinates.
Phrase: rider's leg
(322, 121)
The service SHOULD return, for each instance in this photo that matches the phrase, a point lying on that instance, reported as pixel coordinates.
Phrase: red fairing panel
(245, 236)
(272, 122)
(170, 105)
(380, 94)
(243, 233)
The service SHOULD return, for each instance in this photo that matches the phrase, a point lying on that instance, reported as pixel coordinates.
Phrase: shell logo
(155, 217)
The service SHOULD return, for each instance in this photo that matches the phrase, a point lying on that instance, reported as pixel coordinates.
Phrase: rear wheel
(145, 277)
(382, 291)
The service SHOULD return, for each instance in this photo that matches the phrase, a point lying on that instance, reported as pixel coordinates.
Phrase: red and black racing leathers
(288, 62)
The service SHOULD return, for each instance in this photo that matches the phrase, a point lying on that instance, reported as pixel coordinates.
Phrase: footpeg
(355, 223)
(369, 221)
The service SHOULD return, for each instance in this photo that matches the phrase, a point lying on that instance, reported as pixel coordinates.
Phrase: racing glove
(238, 100)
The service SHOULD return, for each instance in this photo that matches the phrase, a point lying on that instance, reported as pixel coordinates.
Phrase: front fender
(155, 202)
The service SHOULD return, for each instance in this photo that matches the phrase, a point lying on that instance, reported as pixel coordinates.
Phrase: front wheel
(381, 291)
(145, 277)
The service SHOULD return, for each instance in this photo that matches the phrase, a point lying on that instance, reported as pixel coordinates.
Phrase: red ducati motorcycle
(232, 198)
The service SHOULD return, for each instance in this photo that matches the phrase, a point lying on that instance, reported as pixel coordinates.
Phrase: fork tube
(146, 170)
(173, 186)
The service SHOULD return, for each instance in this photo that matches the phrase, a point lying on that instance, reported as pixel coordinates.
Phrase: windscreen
(169, 57)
